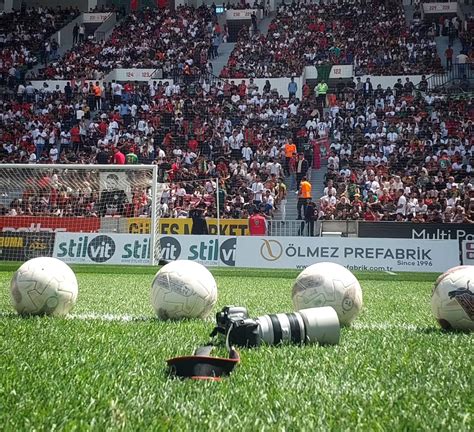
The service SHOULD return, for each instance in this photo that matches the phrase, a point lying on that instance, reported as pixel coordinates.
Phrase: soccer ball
(183, 289)
(328, 284)
(452, 300)
(44, 286)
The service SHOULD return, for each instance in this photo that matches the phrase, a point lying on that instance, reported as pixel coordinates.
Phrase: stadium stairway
(66, 43)
(225, 49)
(442, 43)
(224, 52)
(265, 23)
(317, 183)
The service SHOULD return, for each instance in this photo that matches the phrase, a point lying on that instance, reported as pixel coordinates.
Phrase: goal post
(41, 203)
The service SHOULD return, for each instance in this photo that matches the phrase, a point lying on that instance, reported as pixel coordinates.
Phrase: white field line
(93, 316)
(385, 326)
(108, 317)
(390, 273)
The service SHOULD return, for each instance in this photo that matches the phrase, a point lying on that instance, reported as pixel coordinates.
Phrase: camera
(312, 325)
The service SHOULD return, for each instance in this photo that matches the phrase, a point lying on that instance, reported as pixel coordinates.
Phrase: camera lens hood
(322, 325)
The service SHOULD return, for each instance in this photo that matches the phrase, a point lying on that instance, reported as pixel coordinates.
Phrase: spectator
(321, 91)
(292, 88)
(199, 226)
(75, 34)
(257, 223)
(304, 196)
(82, 33)
(302, 167)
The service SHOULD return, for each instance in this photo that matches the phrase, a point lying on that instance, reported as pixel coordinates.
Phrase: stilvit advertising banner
(103, 248)
(22, 246)
(48, 224)
(300, 252)
(353, 253)
(205, 249)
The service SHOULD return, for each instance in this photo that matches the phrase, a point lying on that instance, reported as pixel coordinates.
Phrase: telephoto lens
(314, 325)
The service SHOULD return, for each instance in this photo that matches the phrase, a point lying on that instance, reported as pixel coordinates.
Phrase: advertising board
(102, 248)
(353, 253)
(468, 252)
(22, 246)
(300, 252)
(48, 224)
(232, 227)
(421, 231)
(207, 250)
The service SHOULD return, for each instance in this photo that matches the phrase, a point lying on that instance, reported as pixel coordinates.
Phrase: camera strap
(202, 366)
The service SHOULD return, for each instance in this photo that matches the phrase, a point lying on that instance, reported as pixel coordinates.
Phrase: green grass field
(101, 370)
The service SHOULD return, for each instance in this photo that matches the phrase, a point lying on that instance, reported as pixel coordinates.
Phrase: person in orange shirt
(97, 95)
(290, 148)
(304, 196)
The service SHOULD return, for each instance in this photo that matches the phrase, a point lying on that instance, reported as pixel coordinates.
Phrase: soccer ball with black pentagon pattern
(452, 300)
(44, 286)
(328, 284)
(183, 289)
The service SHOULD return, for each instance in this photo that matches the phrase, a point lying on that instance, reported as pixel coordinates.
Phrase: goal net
(80, 213)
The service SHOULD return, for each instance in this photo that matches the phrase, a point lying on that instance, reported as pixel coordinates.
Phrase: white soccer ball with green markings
(328, 284)
(44, 286)
(452, 300)
(183, 289)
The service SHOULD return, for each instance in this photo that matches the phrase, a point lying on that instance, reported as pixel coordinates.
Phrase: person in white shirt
(274, 167)
(247, 152)
(392, 136)
(311, 123)
(269, 202)
(53, 153)
(329, 190)
(117, 90)
(401, 203)
(257, 189)
(334, 160)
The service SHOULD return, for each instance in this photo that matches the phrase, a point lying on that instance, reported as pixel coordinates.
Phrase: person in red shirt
(75, 137)
(103, 126)
(119, 157)
(448, 53)
(193, 144)
(242, 89)
(258, 223)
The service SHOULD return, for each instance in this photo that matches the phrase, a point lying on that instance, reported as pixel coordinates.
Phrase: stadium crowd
(373, 36)
(25, 39)
(192, 130)
(400, 153)
(150, 38)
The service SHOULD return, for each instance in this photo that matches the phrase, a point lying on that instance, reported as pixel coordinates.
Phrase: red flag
(320, 151)
(162, 3)
(133, 5)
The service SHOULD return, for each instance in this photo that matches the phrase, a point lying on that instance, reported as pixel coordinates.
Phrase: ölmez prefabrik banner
(300, 252)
